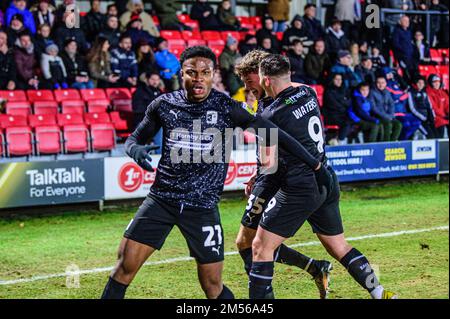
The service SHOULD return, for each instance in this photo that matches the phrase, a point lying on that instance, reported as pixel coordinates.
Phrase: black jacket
(143, 96)
(335, 104)
(63, 33)
(92, 24)
(7, 69)
(210, 22)
(113, 36)
(75, 67)
(297, 67)
(263, 33)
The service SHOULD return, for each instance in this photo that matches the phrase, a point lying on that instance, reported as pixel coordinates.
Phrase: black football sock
(291, 257)
(246, 255)
(359, 268)
(114, 290)
(261, 275)
(226, 293)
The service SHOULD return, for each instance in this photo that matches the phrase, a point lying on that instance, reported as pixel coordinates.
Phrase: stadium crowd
(350, 66)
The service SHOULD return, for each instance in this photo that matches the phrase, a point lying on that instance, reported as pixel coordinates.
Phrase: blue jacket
(361, 109)
(28, 19)
(124, 63)
(402, 43)
(167, 61)
(383, 104)
(351, 79)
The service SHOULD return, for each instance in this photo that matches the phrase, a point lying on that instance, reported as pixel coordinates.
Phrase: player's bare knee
(243, 242)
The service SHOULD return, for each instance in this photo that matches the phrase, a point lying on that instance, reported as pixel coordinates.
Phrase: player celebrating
(262, 187)
(187, 190)
(299, 198)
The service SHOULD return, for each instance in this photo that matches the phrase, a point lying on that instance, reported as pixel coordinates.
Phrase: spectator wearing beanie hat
(351, 79)
(53, 67)
(76, 67)
(20, 7)
(297, 32)
(136, 32)
(227, 60)
(16, 27)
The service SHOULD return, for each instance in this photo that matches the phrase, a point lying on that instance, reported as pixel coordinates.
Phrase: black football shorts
(201, 228)
(294, 204)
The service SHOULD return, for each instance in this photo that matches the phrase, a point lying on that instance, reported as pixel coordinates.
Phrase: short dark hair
(295, 42)
(124, 36)
(309, 5)
(275, 65)
(198, 51)
(362, 85)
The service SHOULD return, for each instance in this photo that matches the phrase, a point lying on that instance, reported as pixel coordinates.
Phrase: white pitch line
(230, 253)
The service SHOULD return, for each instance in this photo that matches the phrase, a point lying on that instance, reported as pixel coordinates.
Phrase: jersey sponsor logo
(211, 117)
(294, 98)
(131, 177)
(181, 138)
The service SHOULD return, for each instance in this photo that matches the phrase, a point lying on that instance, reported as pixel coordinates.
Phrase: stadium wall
(28, 184)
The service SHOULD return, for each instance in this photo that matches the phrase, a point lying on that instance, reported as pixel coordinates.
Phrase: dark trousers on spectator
(430, 129)
(441, 131)
(390, 130)
(370, 130)
(410, 125)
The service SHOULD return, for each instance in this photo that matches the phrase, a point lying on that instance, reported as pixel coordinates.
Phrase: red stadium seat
(218, 42)
(194, 42)
(2, 143)
(279, 35)
(18, 108)
(170, 34)
(184, 18)
(435, 55)
(177, 50)
(155, 19)
(255, 20)
(103, 137)
(248, 26)
(48, 139)
(125, 105)
(217, 49)
(95, 118)
(67, 94)
(426, 70)
(70, 118)
(193, 24)
(132, 90)
(211, 35)
(97, 106)
(46, 107)
(118, 93)
(444, 73)
(319, 91)
(73, 106)
(42, 120)
(176, 42)
(120, 123)
(234, 34)
(93, 94)
(76, 138)
(245, 20)
(19, 141)
(40, 95)
(10, 96)
(12, 120)
(191, 35)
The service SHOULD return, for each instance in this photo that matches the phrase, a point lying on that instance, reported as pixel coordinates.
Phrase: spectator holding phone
(77, 71)
(99, 64)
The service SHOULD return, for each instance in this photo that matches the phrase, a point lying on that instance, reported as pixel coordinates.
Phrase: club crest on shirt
(211, 117)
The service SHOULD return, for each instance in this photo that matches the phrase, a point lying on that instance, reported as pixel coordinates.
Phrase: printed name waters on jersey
(197, 184)
(296, 111)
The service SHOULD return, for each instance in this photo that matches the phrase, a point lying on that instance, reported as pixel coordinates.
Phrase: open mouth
(198, 89)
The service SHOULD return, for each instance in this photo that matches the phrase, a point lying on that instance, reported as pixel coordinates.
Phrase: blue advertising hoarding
(361, 162)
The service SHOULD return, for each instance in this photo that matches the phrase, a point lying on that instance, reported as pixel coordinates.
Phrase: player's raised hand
(324, 179)
(143, 158)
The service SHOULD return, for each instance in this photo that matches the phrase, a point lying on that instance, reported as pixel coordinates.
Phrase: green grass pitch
(414, 265)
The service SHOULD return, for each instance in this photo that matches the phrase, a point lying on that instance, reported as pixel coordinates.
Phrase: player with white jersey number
(300, 198)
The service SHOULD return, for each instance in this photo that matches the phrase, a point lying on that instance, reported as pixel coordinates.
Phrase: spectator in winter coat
(204, 14)
(279, 10)
(76, 67)
(440, 103)
(93, 22)
(336, 104)
(402, 42)
(145, 94)
(53, 68)
(297, 57)
(124, 63)
(336, 39)
(99, 63)
(111, 31)
(248, 44)
(136, 32)
(351, 79)
(297, 32)
(7, 67)
(384, 110)
(166, 12)
(26, 63)
(227, 60)
(15, 29)
(168, 64)
(365, 70)
(392, 19)
(312, 24)
(64, 32)
(267, 31)
(361, 112)
(43, 39)
(43, 13)
(146, 60)
(420, 106)
(226, 17)
(317, 63)
(136, 7)
(20, 7)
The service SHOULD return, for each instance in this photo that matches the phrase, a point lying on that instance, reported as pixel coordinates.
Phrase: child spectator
(227, 60)
(317, 63)
(99, 64)
(440, 103)
(43, 38)
(168, 64)
(136, 7)
(421, 50)
(377, 58)
(20, 7)
(26, 63)
(77, 70)
(336, 104)
(203, 12)
(53, 68)
(420, 106)
(124, 63)
(94, 21)
(383, 108)
(297, 32)
(7, 66)
(43, 13)
(361, 113)
(266, 32)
